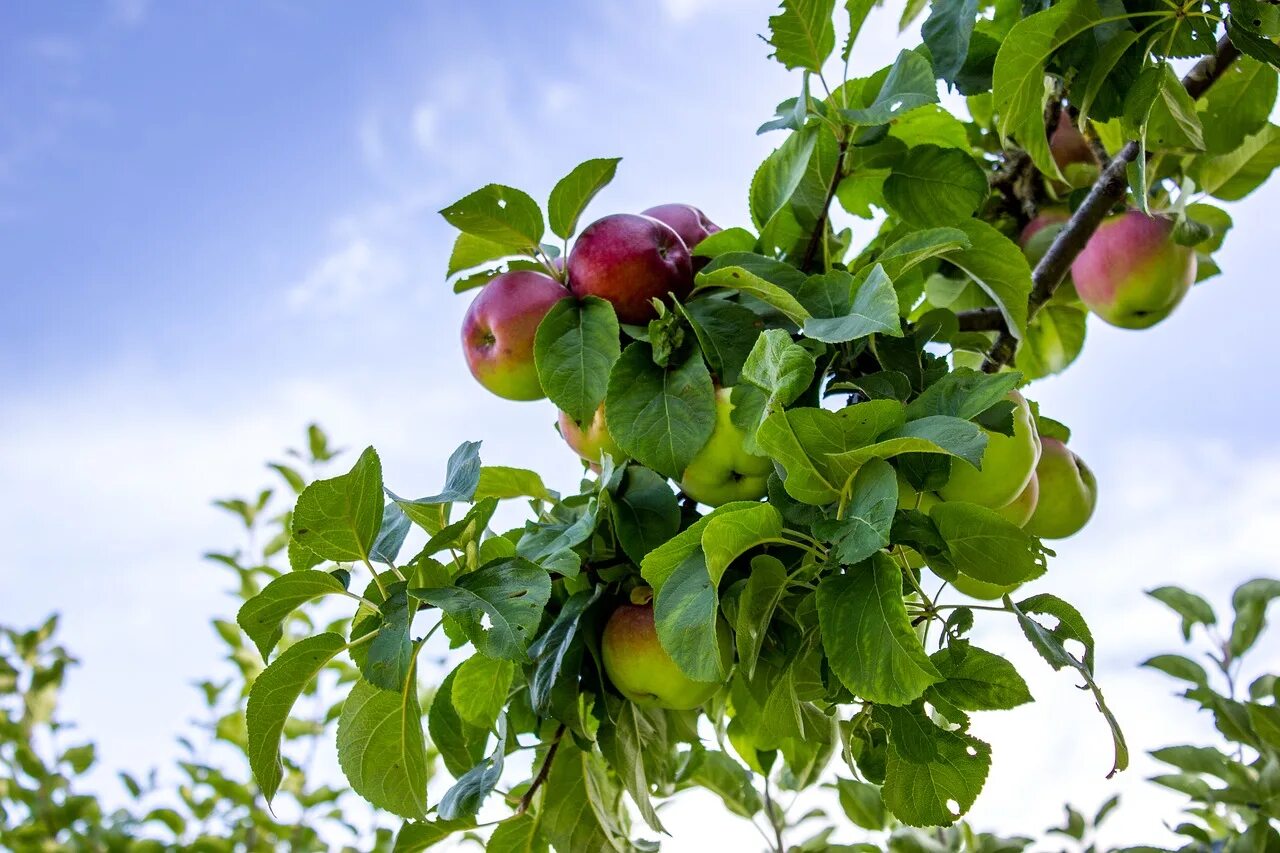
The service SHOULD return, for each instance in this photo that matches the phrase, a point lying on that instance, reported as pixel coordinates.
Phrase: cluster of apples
(1034, 481)
(1131, 273)
(629, 260)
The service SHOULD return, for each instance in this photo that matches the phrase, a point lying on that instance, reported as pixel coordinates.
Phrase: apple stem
(1106, 193)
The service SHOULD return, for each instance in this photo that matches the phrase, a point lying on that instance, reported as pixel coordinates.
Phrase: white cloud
(423, 125)
(355, 271)
(130, 13)
(682, 11)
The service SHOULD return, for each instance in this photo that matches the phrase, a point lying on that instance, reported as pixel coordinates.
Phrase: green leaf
(499, 214)
(550, 544)
(909, 84)
(508, 594)
(662, 561)
(262, 617)
(922, 781)
(985, 545)
(462, 477)
(470, 251)
(728, 535)
(723, 242)
(963, 393)
(847, 308)
(661, 418)
(578, 804)
(571, 195)
(978, 680)
(918, 247)
(778, 177)
(935, 186)
(463, 532)
(862, 803)
(271, 699)
(381, 748)
(552, 650)
(864, 528)
(575, 347)
(934, 434)
(946, 33)
(623, 738)
(391, 535)
(1018, 84)
(1179, 667)
(519, 834)
(480, 688)
(1233, 176)
(645, 512)
(1251, 43)
(501, 482)
(390, 656)
(858, 11)
(718, 773)
(339, 519)
(1193, 609)
(461, 744)
(803, 33)
(1237, 105)
(999, 267)
(780, 367)
(468, 794)
(684, 612)
(1159, 111)
(1250, 601)
(1054, 339)
(726, 331)
(766, 584)
(870, 643)
(415, 836)
(743, 279)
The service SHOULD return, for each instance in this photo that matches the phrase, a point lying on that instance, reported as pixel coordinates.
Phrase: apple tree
(810, 464)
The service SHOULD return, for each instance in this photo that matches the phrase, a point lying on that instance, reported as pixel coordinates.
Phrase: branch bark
(1107, 191)
(543, 771)
(820, 230)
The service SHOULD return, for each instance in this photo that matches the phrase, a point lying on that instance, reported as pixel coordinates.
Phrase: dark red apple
(630, 260)
(691, 224)
(498, 331)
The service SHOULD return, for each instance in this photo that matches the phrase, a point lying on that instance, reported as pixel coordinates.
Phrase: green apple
(723, 471)
(981, 590)
(592, 440)
(1020, 509)
(642, 670)
(1068, 493)
(1007, 464)
(909, 498)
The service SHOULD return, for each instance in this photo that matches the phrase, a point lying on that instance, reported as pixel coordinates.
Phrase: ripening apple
(1019, 510)
(1131, 273)
(499, 327)
(642, 670)
(592, 440)
(691, 224)
(1072, 152)
(723, 470)
(1068, 493)
(1008, 464)
(630, 260)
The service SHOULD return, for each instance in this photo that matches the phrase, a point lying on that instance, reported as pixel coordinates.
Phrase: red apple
(630, 260)
(1073, 153)
(1131, 272)
(691, 224)
(498, 331)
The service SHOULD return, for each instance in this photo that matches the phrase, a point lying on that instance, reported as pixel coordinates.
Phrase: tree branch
(1106, 193)
(987, 319)
(543, 771)
(820, 230)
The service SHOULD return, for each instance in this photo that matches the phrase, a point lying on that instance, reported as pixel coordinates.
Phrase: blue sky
(217, 223)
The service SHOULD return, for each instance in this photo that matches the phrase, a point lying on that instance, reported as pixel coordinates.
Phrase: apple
(630, 260)
(1068, 493)
(691, 224)
(642, 670)
(1131, 272)
(722, 470)
(909, 498)
(1074, 155)
(499, 327)
(1019, 510)
(981, 590)
(1008, 464)
(590, 441)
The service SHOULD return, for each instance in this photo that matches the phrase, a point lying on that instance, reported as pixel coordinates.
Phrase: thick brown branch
(981, 320)
(820, 230)
(1108, 191)
(545, 769)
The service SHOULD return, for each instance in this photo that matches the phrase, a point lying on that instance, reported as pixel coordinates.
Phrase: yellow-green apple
(1008, 463)
(723, 470)
(691, 224)
(981, 590)
(1068, 493)
(498, 331)
(642, 670)
(1131, 273)
(591, 440)
(1019, 510)
(630, 260)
